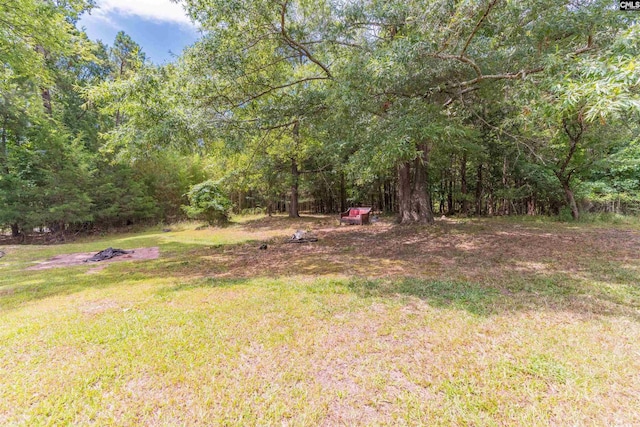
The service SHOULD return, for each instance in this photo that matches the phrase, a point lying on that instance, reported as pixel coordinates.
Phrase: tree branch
(574, 145)
(506, 76)
(322, 169)
(297, 46)
(274, 88)
(517, 139)
(459, 94)
(460, 58)
(475, 30)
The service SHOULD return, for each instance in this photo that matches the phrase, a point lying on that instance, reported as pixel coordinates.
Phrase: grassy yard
(469, 322)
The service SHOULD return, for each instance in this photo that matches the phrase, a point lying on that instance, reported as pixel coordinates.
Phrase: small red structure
(358, 216)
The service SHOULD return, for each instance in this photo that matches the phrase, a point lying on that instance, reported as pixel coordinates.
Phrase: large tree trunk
(413, 198)
(404, 193)
(421, 197)
(531, 205)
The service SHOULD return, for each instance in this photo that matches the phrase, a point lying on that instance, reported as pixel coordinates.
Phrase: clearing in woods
(474, 322)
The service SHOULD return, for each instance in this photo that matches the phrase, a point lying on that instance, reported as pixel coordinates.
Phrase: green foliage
(495, 107)
(207, 202)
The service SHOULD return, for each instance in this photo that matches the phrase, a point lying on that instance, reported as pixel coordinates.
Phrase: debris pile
(301, 236)
(107, 254)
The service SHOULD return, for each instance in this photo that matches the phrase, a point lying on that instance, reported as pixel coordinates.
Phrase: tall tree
(574, 116)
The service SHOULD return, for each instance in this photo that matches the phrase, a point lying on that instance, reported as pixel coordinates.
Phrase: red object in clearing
(358, 216)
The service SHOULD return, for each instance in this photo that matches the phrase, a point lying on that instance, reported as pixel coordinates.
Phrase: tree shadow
(471, 297)
(533, 293)
(284, 222)
(482, 272)
(206, 282)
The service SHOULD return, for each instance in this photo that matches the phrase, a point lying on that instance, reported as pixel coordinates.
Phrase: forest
(418, 108)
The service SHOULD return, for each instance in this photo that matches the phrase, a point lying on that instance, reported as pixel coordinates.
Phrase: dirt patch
(482, 251)
(69, 260)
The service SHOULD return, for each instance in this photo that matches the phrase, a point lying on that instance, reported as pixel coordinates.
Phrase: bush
(565, 214)
(253, 211)
(207, 202)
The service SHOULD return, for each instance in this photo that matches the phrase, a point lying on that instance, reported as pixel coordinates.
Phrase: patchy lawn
(469, 322)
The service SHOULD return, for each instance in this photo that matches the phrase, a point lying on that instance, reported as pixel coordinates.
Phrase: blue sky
(158, 26)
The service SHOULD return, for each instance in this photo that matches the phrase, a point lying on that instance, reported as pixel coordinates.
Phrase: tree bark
(421, 197)
(413, 198)
(491, 209)
(343, 194)
(404, 193)
(504, 209)
(479, 190)
(531, 206)
(295, 180)
(463, 184)
(574, 133)
(450, 210)
(295, 175)
(4, 156)
(46, 101)
(571, 201)
(45, 93)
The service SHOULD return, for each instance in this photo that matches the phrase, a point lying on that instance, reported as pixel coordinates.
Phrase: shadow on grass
(554, 293)
(542, 293)
(471, 297)
(284, 222)
(208, 282)
(532, 293)
(26, 288)
(599, 286)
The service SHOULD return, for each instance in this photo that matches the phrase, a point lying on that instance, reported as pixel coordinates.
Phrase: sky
(160, 27)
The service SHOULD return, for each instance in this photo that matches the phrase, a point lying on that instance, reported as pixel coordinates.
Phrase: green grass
(603, 219)
(171, 342)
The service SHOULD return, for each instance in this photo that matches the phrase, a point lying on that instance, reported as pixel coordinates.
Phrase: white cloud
(153, 10)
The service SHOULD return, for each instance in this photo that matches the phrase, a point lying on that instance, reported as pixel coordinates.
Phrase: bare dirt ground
(472, 250)
(68, 260)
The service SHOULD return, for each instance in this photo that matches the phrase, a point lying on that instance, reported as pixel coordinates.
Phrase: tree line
(417, 108)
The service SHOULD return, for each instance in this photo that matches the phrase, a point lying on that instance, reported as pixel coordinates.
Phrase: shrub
(207, 202)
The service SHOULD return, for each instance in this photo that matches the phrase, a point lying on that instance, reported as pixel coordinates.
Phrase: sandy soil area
(66, 260)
